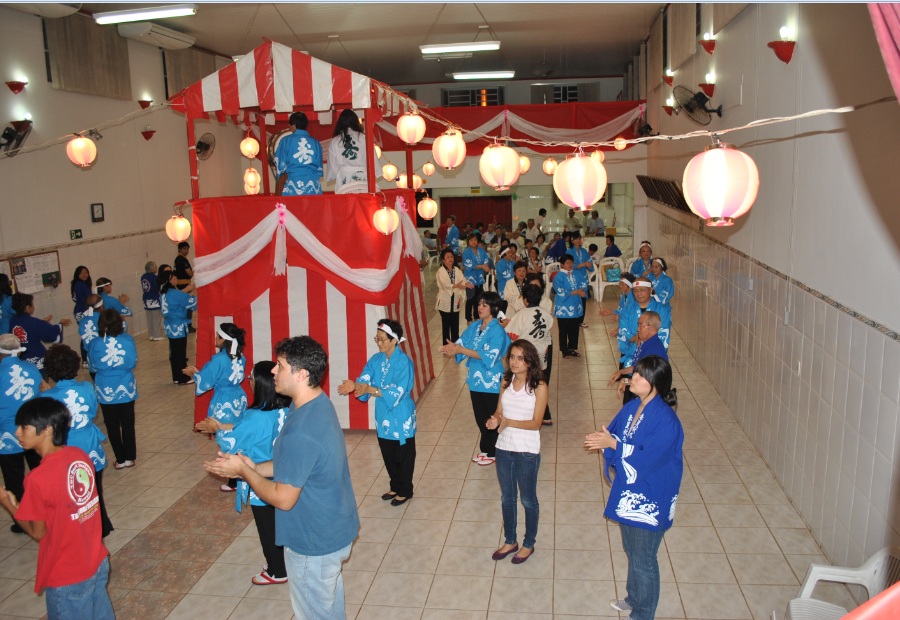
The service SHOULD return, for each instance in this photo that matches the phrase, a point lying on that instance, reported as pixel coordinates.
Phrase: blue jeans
(85, 599)
(641, 547)
(519, 469)
(317, 584)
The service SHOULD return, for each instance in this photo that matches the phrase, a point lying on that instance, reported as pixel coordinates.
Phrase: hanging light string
(96, 128)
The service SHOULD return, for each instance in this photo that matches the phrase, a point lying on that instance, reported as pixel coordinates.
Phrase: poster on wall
(33, 273)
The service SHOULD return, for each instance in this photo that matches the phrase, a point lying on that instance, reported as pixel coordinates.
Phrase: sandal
(265, 579)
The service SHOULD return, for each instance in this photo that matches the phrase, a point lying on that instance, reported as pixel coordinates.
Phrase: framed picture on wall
(97, 214)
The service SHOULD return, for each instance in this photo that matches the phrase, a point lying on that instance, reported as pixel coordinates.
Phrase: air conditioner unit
(152, 34)
(49, 10)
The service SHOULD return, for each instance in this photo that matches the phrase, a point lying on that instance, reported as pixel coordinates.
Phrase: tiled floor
(738, 549)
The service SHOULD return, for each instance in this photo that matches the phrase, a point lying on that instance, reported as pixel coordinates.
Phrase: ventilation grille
(664, 192)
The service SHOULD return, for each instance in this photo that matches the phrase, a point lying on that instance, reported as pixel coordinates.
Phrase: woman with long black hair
(347, 156)
(82, 287)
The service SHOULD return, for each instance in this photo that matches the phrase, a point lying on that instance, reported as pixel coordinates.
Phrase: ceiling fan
(694, 105)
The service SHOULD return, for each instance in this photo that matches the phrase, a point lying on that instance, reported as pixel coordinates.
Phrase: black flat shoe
(399, 502)
(388, 496)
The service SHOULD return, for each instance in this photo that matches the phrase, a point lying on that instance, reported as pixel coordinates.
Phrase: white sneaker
(124, 464)
(477, 458)
(620, 605)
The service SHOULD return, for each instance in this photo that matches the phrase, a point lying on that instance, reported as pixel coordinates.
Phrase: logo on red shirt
(81, 482)
(21, 334)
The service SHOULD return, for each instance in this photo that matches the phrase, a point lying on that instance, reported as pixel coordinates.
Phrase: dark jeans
(546, 372)
(517, 473)
(641, 547)
(584, 301)
(484, 405)
(265, 527)
(472, 303)
(119, 419)
(85, 599)
(178, 358)
(449, 327)
(400, 463)
(106, 525)
(13, 468)
(568, 334)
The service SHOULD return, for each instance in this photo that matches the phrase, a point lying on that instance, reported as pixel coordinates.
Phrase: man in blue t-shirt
(316, 519)
(648, 343)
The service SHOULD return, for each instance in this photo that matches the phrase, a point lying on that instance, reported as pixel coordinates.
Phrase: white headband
(224, 336)
(642, 283)
(657, 260)
(645, 243)
(390, 332)
(11, 351)
(627, 282)
(99, 304)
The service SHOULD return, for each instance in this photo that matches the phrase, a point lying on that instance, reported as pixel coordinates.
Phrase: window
(472, 97)
(565, 93)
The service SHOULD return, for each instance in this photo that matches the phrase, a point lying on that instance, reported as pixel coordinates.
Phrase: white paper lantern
(81, 151)
(249, 147)
(449, 149)
(178, 228)
(428, 168)
(377, 152)
(401, 181)
(620, 143)
(251, 191)
(389, 171)
(524, 164)
(720, 184)
(427, 208)
(579, 181)
(549, 166)
(598, 156)
(251, 177)
(411, 128)
(386, 220)
(499, 166)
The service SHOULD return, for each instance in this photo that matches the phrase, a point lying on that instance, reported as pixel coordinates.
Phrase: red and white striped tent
(286, 266)
(266, 85)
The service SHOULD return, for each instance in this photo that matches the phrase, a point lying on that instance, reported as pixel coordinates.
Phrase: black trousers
(119, 419)
(472, 303)
(265, 527)
(546, 372)
(449, 327)
(484, 405)
(584, 301)
(13, 468)
(400, 463)
(106, 526)
(178, 358)
(568, 334)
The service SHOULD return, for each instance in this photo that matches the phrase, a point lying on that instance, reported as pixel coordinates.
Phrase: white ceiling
(538, 40)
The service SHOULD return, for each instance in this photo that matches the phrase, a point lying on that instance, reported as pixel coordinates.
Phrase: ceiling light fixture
(136, 15)
(484, 75)
(451, 48)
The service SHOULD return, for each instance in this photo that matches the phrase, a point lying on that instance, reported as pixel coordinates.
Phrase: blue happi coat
(80, 400)
(113, 358)
(567, 304)
(485, 374)
(253, 435)
(395, 411)
(175, 305)
(20, 381)
(224, 376)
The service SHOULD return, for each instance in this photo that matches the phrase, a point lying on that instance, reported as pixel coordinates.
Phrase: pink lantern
(251, 177)
(249, 147)
(389, 171)
(580, 181)
(386, 220)
(499, 166)
(598, 156)
(449, 149)
(720, 184)
(428, 168)
(81, 151)
(411, 128)
(178, 228)
(549, 166)
(427, 208)
(401, 181)
(524, 164)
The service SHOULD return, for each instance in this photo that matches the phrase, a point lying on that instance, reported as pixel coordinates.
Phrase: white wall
(138, 181)
(817, 394)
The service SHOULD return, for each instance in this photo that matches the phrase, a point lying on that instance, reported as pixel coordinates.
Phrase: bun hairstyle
(658, 374)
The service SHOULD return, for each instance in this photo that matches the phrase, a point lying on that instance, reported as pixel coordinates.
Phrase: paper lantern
(386, 220)
(580, 181)
(251, 177)
(427, 208)
(720, 184)
(389, 171)
(249, 147)
(251, 190)
(499, 166)
(81, 151)
(428, 168)
(449, 149)
(620, 143)
(178, 228)
(524, 164)
(549, 166)
(598, 156)
(401, 181)
(411, 128)
(377, 152)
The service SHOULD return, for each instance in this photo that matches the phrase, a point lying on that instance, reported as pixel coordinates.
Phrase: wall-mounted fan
(13, 136)
(694, 105)
(205, 146)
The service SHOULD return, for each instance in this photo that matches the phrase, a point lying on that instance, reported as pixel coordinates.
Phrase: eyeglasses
(381, 340)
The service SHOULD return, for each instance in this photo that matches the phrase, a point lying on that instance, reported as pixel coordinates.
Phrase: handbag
(613, 274)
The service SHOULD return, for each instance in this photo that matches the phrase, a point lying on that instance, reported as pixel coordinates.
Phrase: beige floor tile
(710, 568)
(468, 561)
(386, 586)
(452, 614)
(421, 532)
(418, 559)
(379, 612)
(474, 534)
(764, 599)
(724, 515)
(459, 592)
(795, 541)
(762, 569)
(356, 585)
(373, 529)
(579, 596)
(580, 564)
(747, 540)
(692, 540)
(724, 493)
(522, 595)
(781, 516)
(197, 606)
(724, 602)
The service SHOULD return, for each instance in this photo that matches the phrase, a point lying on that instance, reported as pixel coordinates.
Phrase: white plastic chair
(879, 572)
(630, 262)
(599, 281)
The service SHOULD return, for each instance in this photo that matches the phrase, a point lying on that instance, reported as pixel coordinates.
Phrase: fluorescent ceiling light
(484, 75)
(136, 15)
(452, 55)
(449, 48)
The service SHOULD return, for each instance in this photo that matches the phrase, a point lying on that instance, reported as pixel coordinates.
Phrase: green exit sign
(75, 234)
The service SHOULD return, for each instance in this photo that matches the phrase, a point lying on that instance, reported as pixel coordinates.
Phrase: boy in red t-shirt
(61, 511)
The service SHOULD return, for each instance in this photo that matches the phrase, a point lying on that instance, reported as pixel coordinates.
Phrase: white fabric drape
(280, 222)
